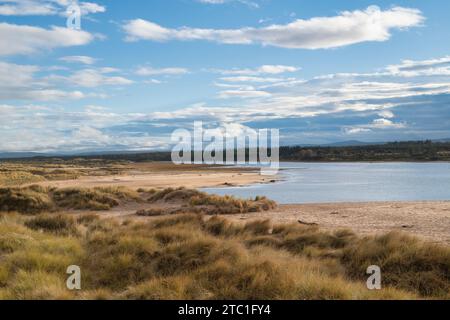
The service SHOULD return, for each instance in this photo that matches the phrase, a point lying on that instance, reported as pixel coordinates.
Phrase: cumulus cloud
(347, 28)
(22, 39)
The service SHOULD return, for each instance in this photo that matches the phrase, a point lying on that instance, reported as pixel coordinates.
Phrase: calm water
(353, 182)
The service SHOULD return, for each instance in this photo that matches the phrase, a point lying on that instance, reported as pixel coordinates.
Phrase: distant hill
(13, 155)
(351, 143)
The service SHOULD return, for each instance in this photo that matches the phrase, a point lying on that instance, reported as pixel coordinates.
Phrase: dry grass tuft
(36, 199)
(93, 199)
(58, 224)
(406, 263)
(29, 200)
(194, 201)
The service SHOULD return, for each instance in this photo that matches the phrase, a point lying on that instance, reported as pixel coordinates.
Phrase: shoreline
(427, 219)
(160, 175)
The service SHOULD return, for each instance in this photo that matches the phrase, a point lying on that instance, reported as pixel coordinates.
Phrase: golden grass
(195, 257)
(35, 199)
(17, 173)
(93, 199)
(8, 179)
(194, 201)
(32, 199)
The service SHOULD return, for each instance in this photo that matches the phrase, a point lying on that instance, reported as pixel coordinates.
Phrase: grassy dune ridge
(37, 199)
(192, 256)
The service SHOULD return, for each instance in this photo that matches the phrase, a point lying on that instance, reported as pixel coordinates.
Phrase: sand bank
(429, 220)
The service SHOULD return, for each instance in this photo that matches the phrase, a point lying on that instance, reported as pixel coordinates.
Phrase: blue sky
(320, 71)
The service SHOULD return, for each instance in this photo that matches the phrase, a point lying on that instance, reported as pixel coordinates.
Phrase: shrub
(59, 224)
(29, 200)
(151, 212)
(75, 198)
(200, 202)
(406, 263)
(87, 219)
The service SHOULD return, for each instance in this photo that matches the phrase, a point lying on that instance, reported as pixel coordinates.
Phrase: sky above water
(319, 71)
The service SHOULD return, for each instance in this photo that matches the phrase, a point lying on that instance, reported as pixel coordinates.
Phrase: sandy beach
(164, 175)
(429, 220)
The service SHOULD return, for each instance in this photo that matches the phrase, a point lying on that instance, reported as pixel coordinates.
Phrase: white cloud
(45, 7)
(94, 78)
(149, 71)
(386, 114)
(265, 69)
(243, 94)
(90, 7)
(86, 134)
(377, 124)
(18, 82)
(14, 75)
(347, 28)
(386, 123)
(250, 79)
(356, 130)
(21, 39)
(411, 68)
(79, 59)
(26, 8)
(153, 81)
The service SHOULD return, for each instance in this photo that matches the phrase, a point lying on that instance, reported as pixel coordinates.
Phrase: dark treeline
(394, 151)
